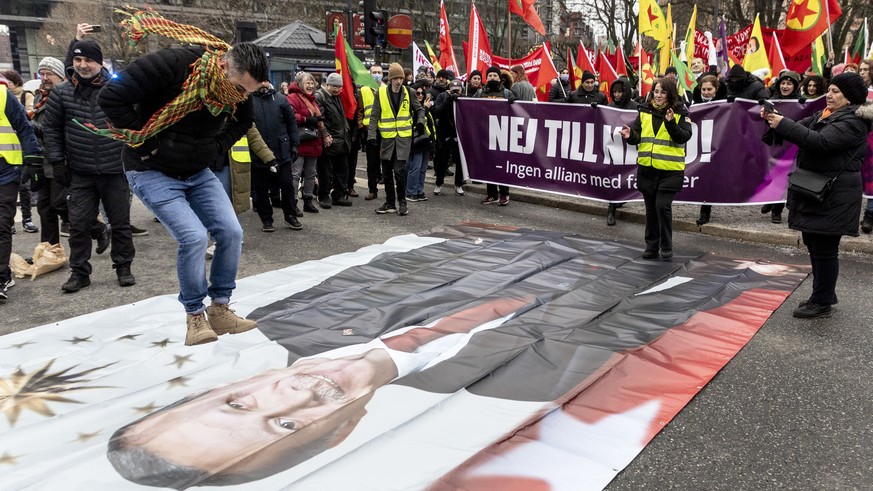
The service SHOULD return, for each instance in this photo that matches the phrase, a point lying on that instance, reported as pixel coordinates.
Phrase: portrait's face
(264, 417)
(835, 99)
(49, 78)
(589, 84)
(697, 65)
(707, 90)
(476, 80)
(240, 79)
(786, 87)
(86, 67)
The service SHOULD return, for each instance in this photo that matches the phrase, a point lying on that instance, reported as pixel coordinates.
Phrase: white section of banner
(419, 59)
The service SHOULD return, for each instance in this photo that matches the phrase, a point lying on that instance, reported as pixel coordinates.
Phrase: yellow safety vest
(10, 145)
(367, 97)
(659, 151)
(394, 125)
(240, 150)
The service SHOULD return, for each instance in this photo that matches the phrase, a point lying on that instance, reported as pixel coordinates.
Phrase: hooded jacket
(581, 96)
(626, 101)
(826, 146)
(744, 85)
(296, 97)
(275, 121)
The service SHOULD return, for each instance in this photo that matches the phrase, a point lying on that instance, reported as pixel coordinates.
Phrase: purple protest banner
(577, 150)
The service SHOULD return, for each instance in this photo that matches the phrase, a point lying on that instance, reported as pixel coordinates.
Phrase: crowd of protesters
(301, 151)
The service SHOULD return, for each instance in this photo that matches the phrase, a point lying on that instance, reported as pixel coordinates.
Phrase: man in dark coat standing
(588, 92)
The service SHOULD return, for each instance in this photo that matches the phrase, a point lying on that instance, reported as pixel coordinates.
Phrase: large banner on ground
(469, 357)
(577, 150)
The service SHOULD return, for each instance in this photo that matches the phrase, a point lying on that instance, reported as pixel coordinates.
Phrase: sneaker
(65, 229)
(459, 190)
(487, 200)
(386, 208)
(353, 193)
(210, 251)
(437, 190)
(650, 254)
(412, 198)
(76, 283)
(449, 173)
(811, 310)
(422, 197)
(199, 331)
(125, 278)
(341, 201)
(104, 240)
(223, 320)
(776, 217)
(4, 288)
(371, 196)
(504, 200)
(29, 227)
(293, 222)
(324, 203)
(138, 232)
(666, 253)
(403, 210)
(267, 227)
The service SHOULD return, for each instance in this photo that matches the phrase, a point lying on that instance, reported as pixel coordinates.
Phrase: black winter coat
(335, 122)
(580, 96)
(560, 91)
(188, 146)
(751, 88)
(83, 151)
(826, 146)
(275, 120)
(444, 113)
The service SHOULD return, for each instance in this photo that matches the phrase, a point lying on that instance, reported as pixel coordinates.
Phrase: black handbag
(307, 134)
(812, 185)
(422, 141)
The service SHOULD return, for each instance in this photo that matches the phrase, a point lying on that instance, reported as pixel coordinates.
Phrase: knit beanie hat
(737, 72)
(492, 69)
(53, 65)
(671, 69)
(335, 79)
(474, 73)
(587, 75)
(395, 71)
(88, 49)
(852, 86)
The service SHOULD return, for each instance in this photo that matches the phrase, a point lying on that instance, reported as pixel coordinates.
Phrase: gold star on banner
(84, 437)
(34, 390)
(180, 361)
(162, 343)
(19, 345)
(147, 409)
(9, 459)
(77, 340)
(130, 337)
(178, 382)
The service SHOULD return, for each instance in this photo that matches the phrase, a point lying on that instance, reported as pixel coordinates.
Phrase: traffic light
(379, 29)
(369, 6)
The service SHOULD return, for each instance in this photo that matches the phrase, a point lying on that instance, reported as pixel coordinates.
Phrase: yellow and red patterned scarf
(207, 86)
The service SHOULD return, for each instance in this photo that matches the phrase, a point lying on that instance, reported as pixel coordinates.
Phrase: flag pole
(830, 36)
(509, 31)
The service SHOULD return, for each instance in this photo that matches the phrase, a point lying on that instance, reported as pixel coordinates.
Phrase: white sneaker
(210, 251)
(437, 190)
(459, 190)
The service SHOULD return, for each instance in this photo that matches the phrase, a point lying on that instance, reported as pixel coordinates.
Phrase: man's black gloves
(294, 154)
(273, 165)
(420, 128)
(372, 143)
(34, 171)
(62, 174)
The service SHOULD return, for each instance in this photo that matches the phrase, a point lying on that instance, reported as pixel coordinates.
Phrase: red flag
(806, 20)
(620, 64)
(607, 76)
(777, 61)
(647, 75)
(571, 67)
(538, 65)
(583, 60)
(526, 10)
(347, 95)
(447, 51)
(547, 71)
(479, 57)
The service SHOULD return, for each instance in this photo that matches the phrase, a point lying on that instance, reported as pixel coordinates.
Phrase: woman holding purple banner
(832, 142)
(661, 129)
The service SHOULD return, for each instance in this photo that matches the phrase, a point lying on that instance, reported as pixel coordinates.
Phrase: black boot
(705, 212)
(295, 209)
(308, 207)
(867, 223)
(610, 215)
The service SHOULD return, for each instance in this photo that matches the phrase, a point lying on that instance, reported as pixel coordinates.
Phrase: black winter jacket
(335, 122)
(580, 96)
(560, 91)
(444, 112)
(626, 101)
(65, 140)
(826, 146)
(275, 120)
(750, 88)
(188, 146)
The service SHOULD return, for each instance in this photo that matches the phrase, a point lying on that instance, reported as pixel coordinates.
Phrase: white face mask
(565, 77)
(377, 77)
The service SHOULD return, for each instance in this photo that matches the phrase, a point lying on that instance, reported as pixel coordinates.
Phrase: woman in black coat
(832, 142)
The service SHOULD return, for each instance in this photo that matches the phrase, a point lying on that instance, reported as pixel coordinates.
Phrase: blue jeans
(189, 209)
(416, 168)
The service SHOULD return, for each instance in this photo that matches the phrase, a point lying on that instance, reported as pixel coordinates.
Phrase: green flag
(360, 75)
(687, 80)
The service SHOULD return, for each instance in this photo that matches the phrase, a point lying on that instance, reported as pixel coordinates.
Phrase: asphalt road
(790, 411)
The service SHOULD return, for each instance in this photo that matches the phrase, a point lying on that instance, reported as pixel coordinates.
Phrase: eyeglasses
(419, 93)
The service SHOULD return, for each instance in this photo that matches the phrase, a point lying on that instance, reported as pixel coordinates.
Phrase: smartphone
(769, 108)
(96, 28)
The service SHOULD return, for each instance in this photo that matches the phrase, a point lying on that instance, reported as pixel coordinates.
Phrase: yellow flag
(756, 53)
(651, 22)
(434, 59)
(667, 43)
(689, 36)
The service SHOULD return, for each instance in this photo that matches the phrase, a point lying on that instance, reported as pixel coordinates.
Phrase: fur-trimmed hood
(865, 111)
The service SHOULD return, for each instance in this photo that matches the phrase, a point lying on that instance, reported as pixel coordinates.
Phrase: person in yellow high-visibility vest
(661, 129)
(396, 113)
(366, 98)
(18, 147)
